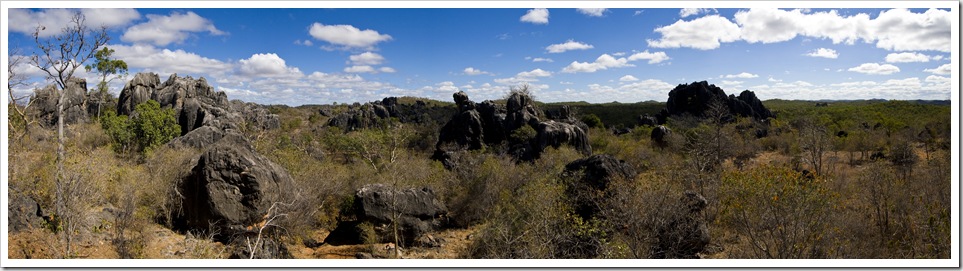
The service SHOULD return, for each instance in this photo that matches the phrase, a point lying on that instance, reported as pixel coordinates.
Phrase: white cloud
(937, 79)
(163, 30)
(603, 62)
(628, 78)
(540, 59)
(908, 57)
(367, 58)
(731, 83)
(824, 52)
(165, 61)
(304, 42)
(593, 12)
(742, 75)
(524, 77)
(686, 12)
(360, 69)
(894, 29)
(568, 46)
(652, 57)
(267, 65)
(536, 16)
(347, 35)
(875, 68)
(473, 71)
(387, 69)
(53, 20)
(774, 80)
(944, 69)
(704, 33)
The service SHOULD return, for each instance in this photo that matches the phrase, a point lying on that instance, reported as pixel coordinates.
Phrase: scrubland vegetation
(847, 180)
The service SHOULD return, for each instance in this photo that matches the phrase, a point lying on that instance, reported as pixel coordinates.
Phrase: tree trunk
(61, 156)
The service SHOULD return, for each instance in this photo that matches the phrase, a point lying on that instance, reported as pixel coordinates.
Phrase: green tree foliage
(105, 66)
(149, 127)
(593, 121)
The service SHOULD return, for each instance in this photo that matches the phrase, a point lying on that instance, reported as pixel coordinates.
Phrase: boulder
(205, 136)
(75, 107)
(589, 179)
(556, 134)
(23, 212)
(232, 188)
(686, 233)
(463, 132)
(660, 135)
(136, 91)
(415, 210)
(256, 116)
(646, 120)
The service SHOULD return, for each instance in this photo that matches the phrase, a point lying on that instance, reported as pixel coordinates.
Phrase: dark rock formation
(646, 120)
(205, 136)
(416, 211)
(195, 102)
(232, 188)
(75, 108)
(660, 135)
(696, 98)
(590, 177)
(556, 134)
(509, 127)
(350, 233)
(23, 212)
(686, 233)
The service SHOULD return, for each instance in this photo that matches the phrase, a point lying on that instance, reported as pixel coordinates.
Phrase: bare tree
(814, 140)
(14, 79)
(60, 56)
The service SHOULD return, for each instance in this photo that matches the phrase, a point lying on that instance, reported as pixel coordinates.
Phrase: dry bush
(779, 213)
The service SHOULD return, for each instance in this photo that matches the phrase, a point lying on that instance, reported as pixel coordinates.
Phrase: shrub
(593, 121)
(153, 126)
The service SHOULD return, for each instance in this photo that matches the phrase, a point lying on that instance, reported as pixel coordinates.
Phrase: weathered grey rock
(463, 132)
(205, 136)
(555, 134)
(660, 135)
(23, 212)
(231, 188)
(686, 234)
(75, 107)
(695, 99)
(646, 120)
(415, 210)
(138, 90)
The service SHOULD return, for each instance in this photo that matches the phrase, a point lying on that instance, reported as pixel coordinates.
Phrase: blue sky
(319, 56)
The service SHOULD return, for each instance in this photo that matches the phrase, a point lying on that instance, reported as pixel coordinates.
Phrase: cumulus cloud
(824, 53)
(303, 42)
(541, 59)
(908, 57)
(387, 69)
(367, 58)
(166, 61)
(347, 35)
(473, 71)
(163, 30)
(536, 16)
(703, 33)
(593, 12)
(53, 20)
(568, 46)
(875, 68)
(742, 75)
(628, 78)
(686, 12)
(944, 69)
(894, 29)
(267, 65)
(524, 77)
(360, 69)
(603, 62)
(644, 90)
(652, 57)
